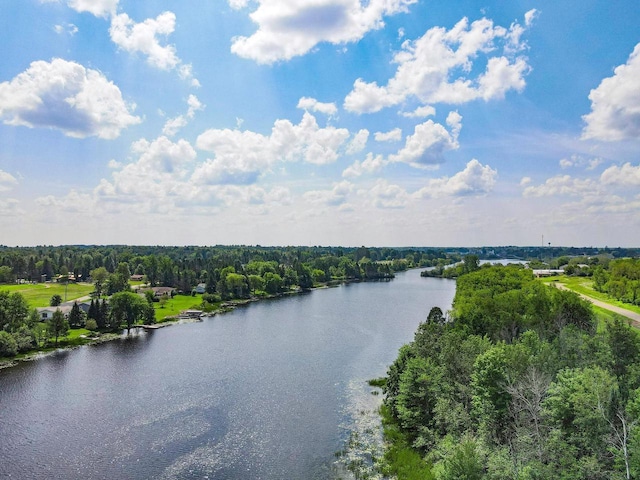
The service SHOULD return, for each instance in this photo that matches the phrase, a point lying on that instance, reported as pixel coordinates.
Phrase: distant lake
(268, 391)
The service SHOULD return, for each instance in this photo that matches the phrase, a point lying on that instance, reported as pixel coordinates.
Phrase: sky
(320, 122)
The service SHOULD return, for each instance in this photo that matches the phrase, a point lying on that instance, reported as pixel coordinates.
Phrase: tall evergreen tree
(76, 316)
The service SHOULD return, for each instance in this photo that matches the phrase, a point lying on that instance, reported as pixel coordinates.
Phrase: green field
(176, 305)
(39, 294)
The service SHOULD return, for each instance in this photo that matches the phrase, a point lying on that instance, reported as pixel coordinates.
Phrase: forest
(519, 381)
(224, 274)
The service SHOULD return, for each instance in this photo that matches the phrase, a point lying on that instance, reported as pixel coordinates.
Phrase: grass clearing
(175, 305)
(39, 294)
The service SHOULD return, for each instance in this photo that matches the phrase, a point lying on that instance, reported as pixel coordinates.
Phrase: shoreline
(225, 307)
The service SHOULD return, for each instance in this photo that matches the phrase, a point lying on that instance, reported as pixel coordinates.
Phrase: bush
(8, 345)
(211, 298)
(91, 325)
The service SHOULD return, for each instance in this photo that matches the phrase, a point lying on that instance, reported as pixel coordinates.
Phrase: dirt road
(633, 316)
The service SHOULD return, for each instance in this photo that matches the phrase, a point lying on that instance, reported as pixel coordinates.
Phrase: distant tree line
(187, 266)
(517, 382)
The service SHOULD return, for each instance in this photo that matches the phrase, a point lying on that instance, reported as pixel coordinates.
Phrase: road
(633, 316)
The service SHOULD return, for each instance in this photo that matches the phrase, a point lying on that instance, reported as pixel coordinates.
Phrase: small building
(547, 272)
(46, 313)
(201, 288)
(159, 292)
(136, 278)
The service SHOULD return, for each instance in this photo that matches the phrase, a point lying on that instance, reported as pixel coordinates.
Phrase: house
(70, 278)
(159, 292)
(46, 313)
(201, 288)
(136, 278)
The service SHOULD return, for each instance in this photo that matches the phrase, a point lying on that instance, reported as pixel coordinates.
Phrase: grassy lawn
(176, 305)
(39, 294)
(584, 285)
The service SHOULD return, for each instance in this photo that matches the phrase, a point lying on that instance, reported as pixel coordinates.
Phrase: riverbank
(172, 319)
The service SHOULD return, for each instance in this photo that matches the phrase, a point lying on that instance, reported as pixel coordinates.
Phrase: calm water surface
(265, 392)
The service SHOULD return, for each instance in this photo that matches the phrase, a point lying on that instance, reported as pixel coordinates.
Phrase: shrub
(91, 325)
(211, 298)
(8, 345)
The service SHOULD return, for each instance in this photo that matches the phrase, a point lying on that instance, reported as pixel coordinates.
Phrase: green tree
(57, 325)
(93, 312)
(117, 282)
(318, 275)
(25, 339)
(570, 309)
(55, 300)
(417, 395)
(103, 314)
(237, 285)
(463, 462)
(6, 274)
(99, 277)
(578, 407)
(8, 346)
(471, 263)
(290, 277)
(272, 283)
(305, 280)
(128, 308)
(14, 310)
(76, 316)
(436, 316)
(256, 283)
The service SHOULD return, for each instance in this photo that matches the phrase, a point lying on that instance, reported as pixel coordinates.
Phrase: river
(268, 391)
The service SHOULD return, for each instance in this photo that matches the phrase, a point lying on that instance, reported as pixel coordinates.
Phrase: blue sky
(326, 122)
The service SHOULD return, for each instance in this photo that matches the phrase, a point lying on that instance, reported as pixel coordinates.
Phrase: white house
(45, 313)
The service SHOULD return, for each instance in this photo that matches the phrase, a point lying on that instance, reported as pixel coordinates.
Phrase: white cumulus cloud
(615, 104)
(158, 173)
(7, 181)
(287, 28)
(429, 142)
(476, 179)
(386, 195)
(359, 141)
(172, 125)
(143, 37)
(422, 112)
(627, 175)
(394, 135)
(68, 97)
(70, 29)
(427, 66)
(371, 164)
(99, 8)
(335, 197)
(561, 185)
(313, 105)
(242, 156)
